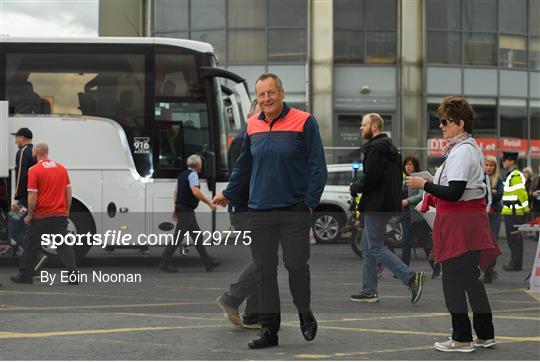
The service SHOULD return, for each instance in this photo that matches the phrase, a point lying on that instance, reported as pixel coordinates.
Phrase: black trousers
(246, 287)
(514, 238)
(187, 222)
(290, 227)
(460, 280)
(32, 247)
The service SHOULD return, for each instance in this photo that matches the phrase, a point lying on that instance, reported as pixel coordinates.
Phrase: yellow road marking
(346, 354)
(106, 306)
(536, 296)
(84, 295)
(168, 316)
(364, 353)
(517, 317)
(419, 333)
(10, 335)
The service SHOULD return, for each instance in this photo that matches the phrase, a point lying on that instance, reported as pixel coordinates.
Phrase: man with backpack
(381, 199)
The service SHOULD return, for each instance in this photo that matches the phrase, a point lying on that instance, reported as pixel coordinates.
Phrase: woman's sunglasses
(445, 121)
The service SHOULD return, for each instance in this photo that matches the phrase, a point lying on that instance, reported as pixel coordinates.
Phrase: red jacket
(463, 226)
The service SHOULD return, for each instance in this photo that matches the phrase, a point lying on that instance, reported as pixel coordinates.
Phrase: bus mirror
(4, 139)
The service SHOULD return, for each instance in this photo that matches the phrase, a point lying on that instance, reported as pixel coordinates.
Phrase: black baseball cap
(25, 132)
(510, 156)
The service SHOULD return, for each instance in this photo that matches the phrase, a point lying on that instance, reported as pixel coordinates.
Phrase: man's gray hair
(194, 160)
(279, 83)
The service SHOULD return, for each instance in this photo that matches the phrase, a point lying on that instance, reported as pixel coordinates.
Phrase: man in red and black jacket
(283, 159)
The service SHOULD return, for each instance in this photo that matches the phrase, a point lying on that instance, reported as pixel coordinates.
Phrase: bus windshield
(156, 93)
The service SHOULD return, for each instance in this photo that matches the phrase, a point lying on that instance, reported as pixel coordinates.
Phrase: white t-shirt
(464, 163)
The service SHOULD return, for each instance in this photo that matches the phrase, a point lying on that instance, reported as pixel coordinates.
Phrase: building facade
(341, 59)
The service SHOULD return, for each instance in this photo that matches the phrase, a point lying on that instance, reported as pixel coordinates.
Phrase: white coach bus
(123, 115)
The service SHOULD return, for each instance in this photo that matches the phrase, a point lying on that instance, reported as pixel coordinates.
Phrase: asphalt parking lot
(174, 316)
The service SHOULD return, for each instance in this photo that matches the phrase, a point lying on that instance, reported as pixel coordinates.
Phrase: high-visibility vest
(515, 199)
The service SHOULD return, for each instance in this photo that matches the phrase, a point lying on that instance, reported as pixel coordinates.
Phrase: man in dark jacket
(381, 199)
(23, 161)
(245, 288)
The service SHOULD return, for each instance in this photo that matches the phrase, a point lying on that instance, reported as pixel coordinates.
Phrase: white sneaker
(485, 343)
(454, 346)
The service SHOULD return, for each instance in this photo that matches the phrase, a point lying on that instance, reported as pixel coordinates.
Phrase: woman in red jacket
(462, 239)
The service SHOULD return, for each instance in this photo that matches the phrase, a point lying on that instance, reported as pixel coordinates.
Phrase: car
(334, 208)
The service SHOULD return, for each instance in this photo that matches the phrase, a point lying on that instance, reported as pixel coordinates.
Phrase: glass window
(513, 51)
(480, 82)
(207, 14)
(348, 46)
(444, 47)
(184, 131)
(287, 13)
(511, 13)
(381, 47)
(348, 14)
(342, 178)
(171, 15)
(534, 53)
(381, 14)
(104, 85)
(443, 14)
(433, 120)
(445, 80)
(479, 15)
(485, 121)
(246, 46)
(176, 76)
(534, 17)
(214, 37)
(287, 45)
(247, 14)
(513, 83)
(479, 49)
(513, 121)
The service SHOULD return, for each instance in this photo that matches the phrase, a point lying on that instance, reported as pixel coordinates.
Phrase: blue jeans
(495, 223)
(375, 250)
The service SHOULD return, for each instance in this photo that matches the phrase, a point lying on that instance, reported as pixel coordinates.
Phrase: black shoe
(19, 279)
(365, 298)
(510, 267)
(167, 268)
(211, 264)
(264, 339)
(308, 325)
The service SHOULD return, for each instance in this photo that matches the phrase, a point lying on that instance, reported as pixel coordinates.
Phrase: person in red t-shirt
(49, 201)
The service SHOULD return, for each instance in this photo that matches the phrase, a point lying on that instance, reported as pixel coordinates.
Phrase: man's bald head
(372, 125)
(375, 120)
(41, 150)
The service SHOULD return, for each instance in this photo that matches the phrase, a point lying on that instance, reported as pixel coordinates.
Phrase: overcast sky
(49, 18)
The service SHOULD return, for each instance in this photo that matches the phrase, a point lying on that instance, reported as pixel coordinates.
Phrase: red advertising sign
(490, 146)
(514, 144)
